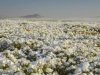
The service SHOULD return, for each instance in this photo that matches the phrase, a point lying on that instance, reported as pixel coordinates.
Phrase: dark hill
(32, 16)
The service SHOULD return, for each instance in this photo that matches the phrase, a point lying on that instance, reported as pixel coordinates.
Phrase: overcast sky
(50, 8)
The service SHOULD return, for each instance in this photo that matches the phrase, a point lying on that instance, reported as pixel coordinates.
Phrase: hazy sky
(51, 8)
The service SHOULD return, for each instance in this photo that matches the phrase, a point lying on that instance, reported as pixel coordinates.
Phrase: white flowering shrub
(49, 48)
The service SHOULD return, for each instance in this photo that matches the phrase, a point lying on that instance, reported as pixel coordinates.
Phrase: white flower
(14, 68)
(67, 64)
(8, 71)
(68, 68)
(21, 40)
(49, 70)
(95, 63)
(55, 73)
(40, 71)
(34, 74)
(9, 62)
(73, 67)
(84, 74)
(96, 70)
(3, 62)
(1, 70)
(78, 70)
(85, 67)
(60, 54)
(12, 58)
(59, 63)
(61, 67)
(49, 74)
(24, 62)
(90, 73)
(70, 60)
(33, 66)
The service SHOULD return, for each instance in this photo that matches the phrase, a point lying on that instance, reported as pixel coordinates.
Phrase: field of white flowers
(30, 47)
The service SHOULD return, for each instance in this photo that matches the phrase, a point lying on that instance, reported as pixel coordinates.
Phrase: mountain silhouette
(32, 16)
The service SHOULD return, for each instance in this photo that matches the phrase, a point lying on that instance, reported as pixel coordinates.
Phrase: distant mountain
(32, 16)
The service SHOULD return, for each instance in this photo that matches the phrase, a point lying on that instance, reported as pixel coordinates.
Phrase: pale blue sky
(51, 8)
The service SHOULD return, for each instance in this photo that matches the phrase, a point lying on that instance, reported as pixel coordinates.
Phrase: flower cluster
(30, 47)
